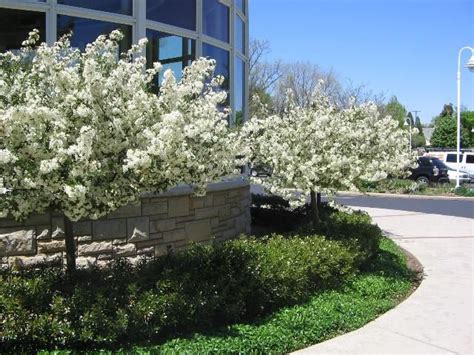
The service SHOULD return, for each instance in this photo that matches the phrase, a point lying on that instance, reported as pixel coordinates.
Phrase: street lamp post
(470, 66)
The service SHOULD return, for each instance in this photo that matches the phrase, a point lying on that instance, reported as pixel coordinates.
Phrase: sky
(406, 48)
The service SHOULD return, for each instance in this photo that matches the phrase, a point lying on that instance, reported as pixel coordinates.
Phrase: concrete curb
(407, 196)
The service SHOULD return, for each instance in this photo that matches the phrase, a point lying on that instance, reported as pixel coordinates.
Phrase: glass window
(222, 62)
(451, 158)
(240, 5)
(239, 91)
(469, 159)
(424, 161)
(173, 52)
(180, 13)
(15, 25)
(85, 31)
(239, 34)
(216, 19)
(123, 7)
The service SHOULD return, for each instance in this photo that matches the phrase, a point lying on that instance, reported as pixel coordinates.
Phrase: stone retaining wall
(157, 225)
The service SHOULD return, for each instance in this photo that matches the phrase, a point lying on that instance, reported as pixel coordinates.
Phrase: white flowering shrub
(82, 133)
(321, 149)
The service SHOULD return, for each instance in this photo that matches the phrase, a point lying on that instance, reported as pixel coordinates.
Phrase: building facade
(178, 31)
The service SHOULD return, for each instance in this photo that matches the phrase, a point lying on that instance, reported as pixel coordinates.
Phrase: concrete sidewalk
(438, 317)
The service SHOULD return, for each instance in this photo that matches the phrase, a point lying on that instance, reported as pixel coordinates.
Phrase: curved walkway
(438, 317)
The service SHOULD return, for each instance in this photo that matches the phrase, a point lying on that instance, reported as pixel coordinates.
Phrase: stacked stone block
(157, 225)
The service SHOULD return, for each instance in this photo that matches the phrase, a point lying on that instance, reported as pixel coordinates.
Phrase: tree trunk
(315, 201)
(70, 245)
(318, 198)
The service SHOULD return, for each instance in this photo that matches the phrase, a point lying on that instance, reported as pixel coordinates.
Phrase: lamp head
(470, 63)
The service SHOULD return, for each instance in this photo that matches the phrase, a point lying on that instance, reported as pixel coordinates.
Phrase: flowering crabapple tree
(82, 133)
(318, 148)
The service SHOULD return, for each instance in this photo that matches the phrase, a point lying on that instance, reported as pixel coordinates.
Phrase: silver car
(464, 177)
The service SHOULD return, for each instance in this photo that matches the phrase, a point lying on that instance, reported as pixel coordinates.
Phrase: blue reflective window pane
(85, 31)
(15, 25)
(216, 19)
(173, 52)
(239, 34)
(239, 90)
(222, 61)
(240, 5)
(124, 7)
(177, 69)
(180, 13)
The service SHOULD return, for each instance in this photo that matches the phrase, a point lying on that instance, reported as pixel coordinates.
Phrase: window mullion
(52, 23)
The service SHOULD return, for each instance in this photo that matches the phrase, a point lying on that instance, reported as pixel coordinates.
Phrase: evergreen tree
(467, 121)
(418, 124)
(445, 130)
(395, 109)
(419, 139)
(448, 111)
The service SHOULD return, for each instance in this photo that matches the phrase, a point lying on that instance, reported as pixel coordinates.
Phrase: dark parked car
(430, 170)
(260, 170)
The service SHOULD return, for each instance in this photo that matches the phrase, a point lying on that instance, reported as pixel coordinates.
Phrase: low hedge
(355, 230)
(381, 286)
(464, 191)
(202, 288)
(392, 185)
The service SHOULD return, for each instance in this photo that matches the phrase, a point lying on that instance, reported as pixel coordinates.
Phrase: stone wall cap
(226, 183)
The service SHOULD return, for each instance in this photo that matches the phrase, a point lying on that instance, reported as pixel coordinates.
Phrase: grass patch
(464, 191)
(404, 186)
(381, 286)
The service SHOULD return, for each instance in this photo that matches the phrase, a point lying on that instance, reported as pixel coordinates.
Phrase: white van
(449, 158)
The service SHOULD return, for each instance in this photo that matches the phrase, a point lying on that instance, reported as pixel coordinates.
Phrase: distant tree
(395, 109)
(445, 131)
(419, 139)
(418, 124)
(302, 79)
(409, 118)
(467, 118)
(448, 111)
(467, 121)
(445, 128)
(357, 94)
(260, 97)
(264, 74)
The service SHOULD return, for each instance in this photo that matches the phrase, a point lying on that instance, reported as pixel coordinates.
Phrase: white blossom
(49, 165)
(7, 157)
(82, 132)
(323, 149)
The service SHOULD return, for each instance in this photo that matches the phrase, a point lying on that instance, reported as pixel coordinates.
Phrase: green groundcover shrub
(384, 283)
(202, 288)
(464, 191)
(392, 185)
(355, 230)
